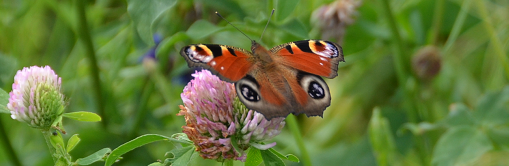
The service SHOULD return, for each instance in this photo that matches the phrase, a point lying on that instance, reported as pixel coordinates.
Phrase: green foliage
(94, 157)
(381, 139)
(270, 159)
(254, 157)
(144, 14)
(133, 144)
(381, 113)
(4, 100)
(83, 116)
(72, 142)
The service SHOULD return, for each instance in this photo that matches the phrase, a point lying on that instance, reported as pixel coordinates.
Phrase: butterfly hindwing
(298, 93)
(229, 63)
(317, 57)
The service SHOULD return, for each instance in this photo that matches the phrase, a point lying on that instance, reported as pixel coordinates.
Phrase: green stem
(84, 34)
(399, 58)
(400, 62)
(141, 106)
(294, 128)
(408, 86)
(456, 28)
(47, 136)
(8, 147)
(437, 21)
(228, 163)
(497, 46)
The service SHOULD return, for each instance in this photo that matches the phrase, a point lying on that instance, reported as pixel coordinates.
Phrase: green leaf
(61, 162)
(83, 116)
(4, 100)
(234, 141)
(56, 140)
(381, 138)
(228, 162)
(223, 6)
(8, 66)
(459, 115)
(254, 157)
(181, 156)
(418, 129)
(460, 146)
(499, 135)
(94, 157)
(144, 14)
(290, 157)
(72, 142)
(133, 144)
(492, 108)
(157, 164)
(167, 44)
(270, 159)
(181, 138)
(296, 28)
(201, 29)
(285, 8)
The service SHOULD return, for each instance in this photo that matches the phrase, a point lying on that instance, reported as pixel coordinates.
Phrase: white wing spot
(323, 59)
(321, 64)
(222, 68)
(330, 51)
(213, 63)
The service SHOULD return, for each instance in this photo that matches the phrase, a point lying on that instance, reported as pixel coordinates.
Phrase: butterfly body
(275, 82)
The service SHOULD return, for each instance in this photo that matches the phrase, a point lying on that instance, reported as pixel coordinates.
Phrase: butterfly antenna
(233, 26)
(272, 13)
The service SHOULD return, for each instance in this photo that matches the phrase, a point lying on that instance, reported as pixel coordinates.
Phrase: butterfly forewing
(229, 63)
(312, 56)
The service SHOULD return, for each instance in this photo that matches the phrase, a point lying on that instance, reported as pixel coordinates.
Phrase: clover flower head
(215, 117)
(36, 97)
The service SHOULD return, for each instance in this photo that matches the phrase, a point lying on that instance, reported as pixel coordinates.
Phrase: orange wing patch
(305, 61)
(232, 64)
(312, 56)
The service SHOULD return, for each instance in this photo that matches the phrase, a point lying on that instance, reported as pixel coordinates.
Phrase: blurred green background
(423, 82)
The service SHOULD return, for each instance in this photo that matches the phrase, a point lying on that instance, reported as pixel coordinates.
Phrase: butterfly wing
(229, 63)
(317, 57)
(291, 91)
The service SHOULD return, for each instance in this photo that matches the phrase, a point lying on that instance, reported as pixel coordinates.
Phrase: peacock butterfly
(276, 82)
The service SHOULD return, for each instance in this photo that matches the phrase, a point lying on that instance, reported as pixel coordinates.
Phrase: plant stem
(399, 58)
(84, 34)
(294, 128)
(400, 63)
(406, 83)
(141, 105)
(456, 28)
(8, 148)
(437, 21)
(497, 46)
(47, 136)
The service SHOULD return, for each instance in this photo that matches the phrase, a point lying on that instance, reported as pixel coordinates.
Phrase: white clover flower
(214, 116)
(35, 97)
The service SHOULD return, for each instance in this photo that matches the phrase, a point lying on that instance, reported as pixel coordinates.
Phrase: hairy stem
(52, 150)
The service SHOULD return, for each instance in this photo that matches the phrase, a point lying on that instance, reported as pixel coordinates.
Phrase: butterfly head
(254, 45)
